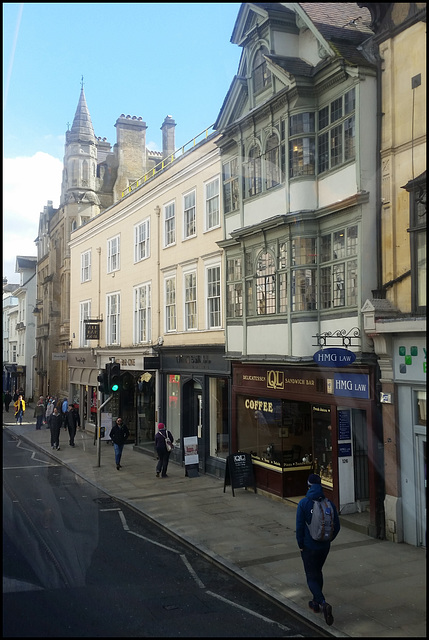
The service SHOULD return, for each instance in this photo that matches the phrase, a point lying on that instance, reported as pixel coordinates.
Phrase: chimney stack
(168, 138)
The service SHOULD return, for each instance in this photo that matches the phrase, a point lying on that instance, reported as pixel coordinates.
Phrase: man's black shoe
(314, 606)
(327, 612)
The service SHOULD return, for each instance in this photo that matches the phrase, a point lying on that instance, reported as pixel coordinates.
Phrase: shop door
(360, 454)
(421, 490)
(192, 413)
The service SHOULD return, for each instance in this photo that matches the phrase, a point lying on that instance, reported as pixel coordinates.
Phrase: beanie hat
(161, 425)
(313, 479)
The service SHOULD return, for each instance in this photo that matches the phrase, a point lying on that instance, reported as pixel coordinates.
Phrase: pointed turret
(79, 189)
(82, 129)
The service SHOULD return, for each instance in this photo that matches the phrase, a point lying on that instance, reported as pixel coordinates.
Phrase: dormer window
(261, 74)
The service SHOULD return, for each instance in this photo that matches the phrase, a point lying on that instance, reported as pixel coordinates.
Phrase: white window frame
(189, 215)
(190, 304)
(170, 304)
(210, 298)
(142, 315)
(142, 240)
(170, 224)
(85, 266)
(208, 199)
(113, 254)
(84, 313)
(113, 319)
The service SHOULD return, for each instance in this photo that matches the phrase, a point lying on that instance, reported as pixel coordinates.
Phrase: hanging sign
(334, 357)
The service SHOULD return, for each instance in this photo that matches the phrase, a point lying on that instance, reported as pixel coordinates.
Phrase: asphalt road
(77, 563)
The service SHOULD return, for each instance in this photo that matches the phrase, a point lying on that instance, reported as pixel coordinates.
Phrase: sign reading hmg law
(351, 385)
(334, 357)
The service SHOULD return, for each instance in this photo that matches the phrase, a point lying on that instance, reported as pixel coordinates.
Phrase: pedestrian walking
(163, 446)
(64, 411)
(119, 435)
(7, 400)
(76, 416)
(71, 424)
(39, 413)
(314, 552)
(19, 409)
(49, 412)
(56, 422)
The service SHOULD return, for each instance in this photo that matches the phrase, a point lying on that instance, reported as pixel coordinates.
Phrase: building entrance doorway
(192, 414)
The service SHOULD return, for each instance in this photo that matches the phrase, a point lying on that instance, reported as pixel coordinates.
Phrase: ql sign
(334, 357)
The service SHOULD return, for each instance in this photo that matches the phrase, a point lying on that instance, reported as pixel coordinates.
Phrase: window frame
(142, 246)
(113, 259)
(190, 304)
(186, 214)
(85, 256)
(230, 184)
(213, 299)
(169, 224)
(82, 317)
(142, 315)
(113, 320)
(170, 304)
(335, 146)
(209, 226)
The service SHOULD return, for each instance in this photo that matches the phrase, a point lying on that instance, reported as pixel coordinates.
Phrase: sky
(142, 59)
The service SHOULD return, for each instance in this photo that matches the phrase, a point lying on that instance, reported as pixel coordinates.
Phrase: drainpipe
(379, 204)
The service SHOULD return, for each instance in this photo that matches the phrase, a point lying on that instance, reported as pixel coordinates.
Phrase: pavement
(376, 588)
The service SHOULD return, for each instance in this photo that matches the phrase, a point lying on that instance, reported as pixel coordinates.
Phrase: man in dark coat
(119, 435)
(162, 452)
(56, 422)
(71, 424)
(314, 552)
(7, 400)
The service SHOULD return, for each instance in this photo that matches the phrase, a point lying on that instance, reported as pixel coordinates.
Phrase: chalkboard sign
(239, 472)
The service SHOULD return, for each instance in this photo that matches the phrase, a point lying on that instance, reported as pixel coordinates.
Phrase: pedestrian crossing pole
(99, 430)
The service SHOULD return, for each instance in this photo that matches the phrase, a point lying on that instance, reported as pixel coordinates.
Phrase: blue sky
(142, 59)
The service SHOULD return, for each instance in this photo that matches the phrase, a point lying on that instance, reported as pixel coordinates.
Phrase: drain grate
(105, 501)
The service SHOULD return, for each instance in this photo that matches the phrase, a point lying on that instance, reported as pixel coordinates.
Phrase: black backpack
(321, 527)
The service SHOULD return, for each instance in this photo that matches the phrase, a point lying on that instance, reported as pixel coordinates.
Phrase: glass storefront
(173, 406)
(218, 417)
(145, 404)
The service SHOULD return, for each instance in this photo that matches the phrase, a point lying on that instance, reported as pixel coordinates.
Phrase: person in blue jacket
(313, 552)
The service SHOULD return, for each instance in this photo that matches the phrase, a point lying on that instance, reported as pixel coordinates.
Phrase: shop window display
(322, 438)
(275, 432)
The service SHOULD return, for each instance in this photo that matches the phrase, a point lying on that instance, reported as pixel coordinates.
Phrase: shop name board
(259, 405)
(334, 357)
(351, 385)
(277, 380)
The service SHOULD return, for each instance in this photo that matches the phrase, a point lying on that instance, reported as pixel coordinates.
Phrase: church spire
(82, 129)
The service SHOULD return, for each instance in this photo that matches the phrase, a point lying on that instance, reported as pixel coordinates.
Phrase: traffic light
(102, 379)
(114, 376)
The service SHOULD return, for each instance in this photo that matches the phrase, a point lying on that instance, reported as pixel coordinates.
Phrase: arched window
(260, 72)
(265, 284)
(272, 166)
(254, 182)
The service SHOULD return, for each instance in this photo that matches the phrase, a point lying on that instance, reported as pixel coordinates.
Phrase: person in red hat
(163, 447)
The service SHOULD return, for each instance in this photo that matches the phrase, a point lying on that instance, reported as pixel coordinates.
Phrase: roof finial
(81, 81)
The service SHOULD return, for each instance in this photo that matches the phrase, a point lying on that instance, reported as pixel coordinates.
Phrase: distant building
(94, 177)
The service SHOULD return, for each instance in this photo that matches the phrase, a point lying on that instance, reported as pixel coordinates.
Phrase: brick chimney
(168, 138)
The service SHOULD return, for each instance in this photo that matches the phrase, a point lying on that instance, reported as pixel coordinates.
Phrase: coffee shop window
(276, 432)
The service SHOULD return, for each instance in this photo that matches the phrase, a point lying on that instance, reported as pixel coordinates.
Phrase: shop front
(134, 401)
(196, 403)
(302, 420)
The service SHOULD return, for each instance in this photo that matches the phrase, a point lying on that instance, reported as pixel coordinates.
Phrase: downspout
(378, 293)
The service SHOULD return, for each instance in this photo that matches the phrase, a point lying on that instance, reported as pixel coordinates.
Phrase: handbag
(168, 444)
